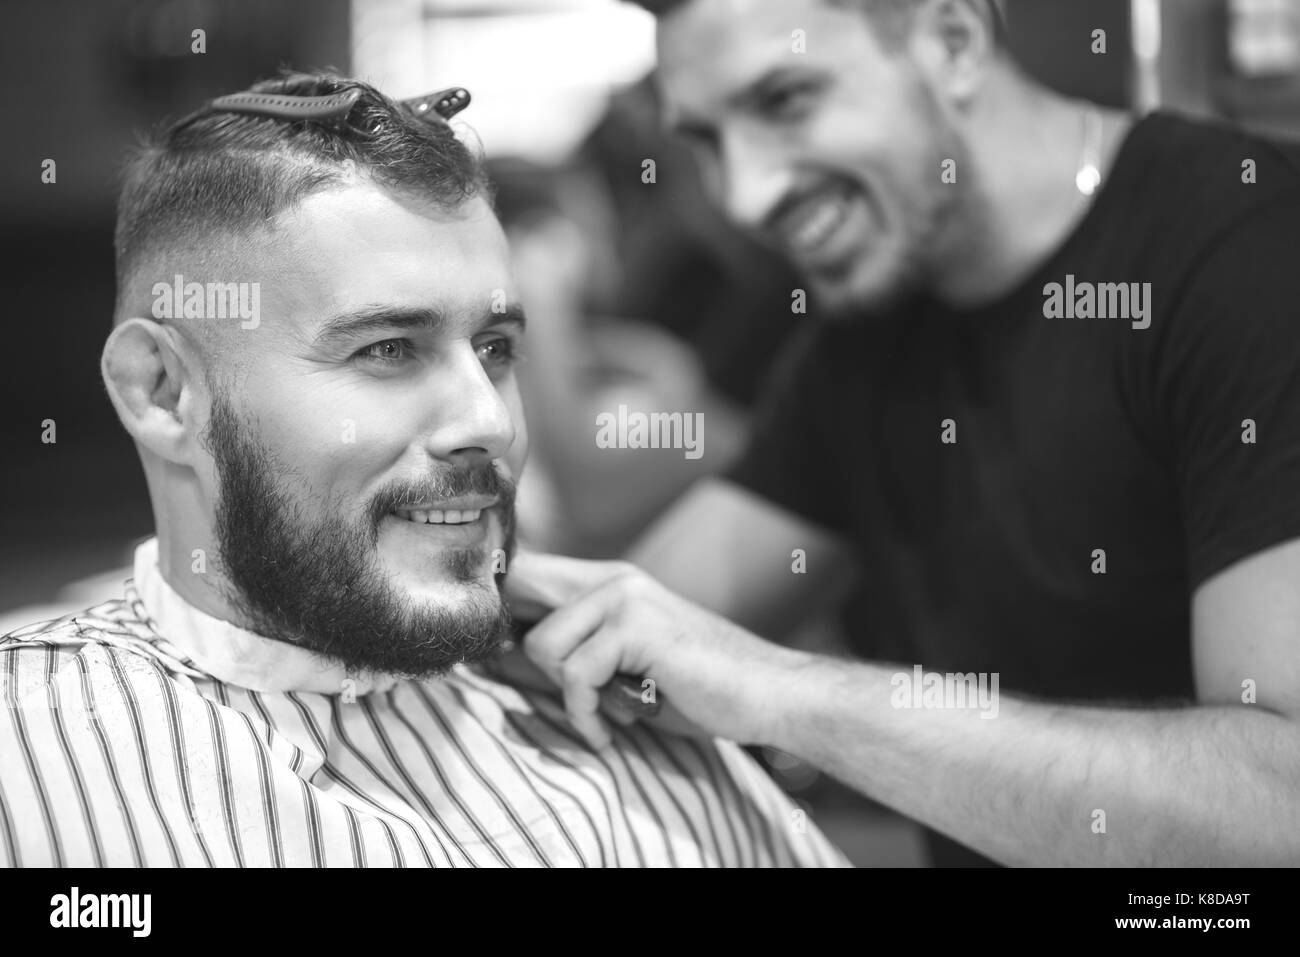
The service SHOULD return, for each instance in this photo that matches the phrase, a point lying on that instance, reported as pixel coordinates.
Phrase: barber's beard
(928, 211)
(312, 577)
(942, 209)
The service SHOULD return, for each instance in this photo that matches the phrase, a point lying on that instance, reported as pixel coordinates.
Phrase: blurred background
(636, 295)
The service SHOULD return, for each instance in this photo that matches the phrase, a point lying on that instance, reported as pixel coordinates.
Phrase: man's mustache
(453, 483)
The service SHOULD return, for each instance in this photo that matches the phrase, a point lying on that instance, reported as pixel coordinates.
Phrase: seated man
(313, 350)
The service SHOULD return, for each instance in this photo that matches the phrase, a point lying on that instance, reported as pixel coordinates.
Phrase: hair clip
(286, 107)
(445, 103)
(432, 108)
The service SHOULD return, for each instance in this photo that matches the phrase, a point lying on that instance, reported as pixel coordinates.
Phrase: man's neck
(187, 551)
(1027, 145)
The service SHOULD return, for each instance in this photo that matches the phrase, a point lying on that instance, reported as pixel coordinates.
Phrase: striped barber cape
(143, 732)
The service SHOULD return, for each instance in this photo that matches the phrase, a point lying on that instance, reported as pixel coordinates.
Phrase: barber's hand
(610, 618)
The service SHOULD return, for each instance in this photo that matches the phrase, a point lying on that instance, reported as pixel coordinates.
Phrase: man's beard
(314, 580)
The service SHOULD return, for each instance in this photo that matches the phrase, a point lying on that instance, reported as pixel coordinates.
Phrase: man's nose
(473, 423)
(753, 182)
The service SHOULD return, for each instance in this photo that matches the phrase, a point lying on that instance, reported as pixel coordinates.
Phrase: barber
(1094, 501)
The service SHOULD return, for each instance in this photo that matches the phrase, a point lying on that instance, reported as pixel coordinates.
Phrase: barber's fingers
(526, 589)
(576, 649)
(594, 664)
(555, 638)
(514, 668)
(538, 583)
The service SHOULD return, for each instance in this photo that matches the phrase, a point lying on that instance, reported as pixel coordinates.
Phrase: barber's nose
(473, 423)
(752, 182)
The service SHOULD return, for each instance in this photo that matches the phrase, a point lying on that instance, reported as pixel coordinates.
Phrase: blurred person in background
(1050, 410)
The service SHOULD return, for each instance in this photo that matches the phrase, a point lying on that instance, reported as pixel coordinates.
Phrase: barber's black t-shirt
(1077, 440)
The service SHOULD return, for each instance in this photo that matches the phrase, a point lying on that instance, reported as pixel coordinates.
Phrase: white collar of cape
(234, 655)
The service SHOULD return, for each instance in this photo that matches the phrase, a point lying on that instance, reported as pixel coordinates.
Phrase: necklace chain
(1088, 177)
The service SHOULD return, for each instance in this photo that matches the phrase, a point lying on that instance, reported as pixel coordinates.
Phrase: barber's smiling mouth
(818, 229)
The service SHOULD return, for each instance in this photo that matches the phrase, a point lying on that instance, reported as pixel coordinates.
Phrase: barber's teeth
(818, 227)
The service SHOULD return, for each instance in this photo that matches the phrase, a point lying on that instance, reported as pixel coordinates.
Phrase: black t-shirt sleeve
(790, 459)
(1232, 355)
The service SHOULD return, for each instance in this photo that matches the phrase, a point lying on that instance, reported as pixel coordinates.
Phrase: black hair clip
(434, 107)
(283, 106)
(445, 103)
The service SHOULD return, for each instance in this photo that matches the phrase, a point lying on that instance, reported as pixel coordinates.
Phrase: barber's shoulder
(1224, 168)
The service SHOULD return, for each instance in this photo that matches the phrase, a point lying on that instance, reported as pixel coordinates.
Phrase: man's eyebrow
(513, 314)
(376, 319)
(353, 325)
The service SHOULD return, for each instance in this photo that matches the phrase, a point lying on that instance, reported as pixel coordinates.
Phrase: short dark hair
(221, 171)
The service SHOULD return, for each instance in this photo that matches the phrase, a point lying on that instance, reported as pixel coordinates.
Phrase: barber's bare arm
(1213, 783)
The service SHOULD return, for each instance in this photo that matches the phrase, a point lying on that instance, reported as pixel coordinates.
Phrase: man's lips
(440, 516)
(469, 529)
(459, 511)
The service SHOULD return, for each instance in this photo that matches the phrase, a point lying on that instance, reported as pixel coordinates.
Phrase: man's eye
(499, 350)
(390, 350)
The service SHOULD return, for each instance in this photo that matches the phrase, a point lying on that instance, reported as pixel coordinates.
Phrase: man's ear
(151, 386)
(957, 41)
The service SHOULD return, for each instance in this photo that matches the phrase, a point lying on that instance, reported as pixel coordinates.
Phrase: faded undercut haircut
(222, 173)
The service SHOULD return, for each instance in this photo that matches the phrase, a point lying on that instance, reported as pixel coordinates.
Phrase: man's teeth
(818, 225)
(440, 516)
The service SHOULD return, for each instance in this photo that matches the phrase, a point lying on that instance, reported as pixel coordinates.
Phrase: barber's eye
(390, 350)
(786, 103)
